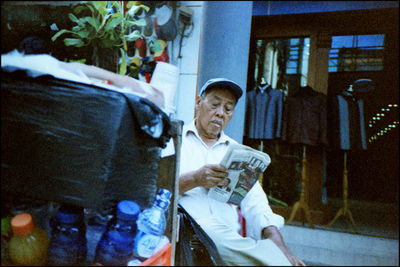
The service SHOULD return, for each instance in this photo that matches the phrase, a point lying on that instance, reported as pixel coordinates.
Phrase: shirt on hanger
(264, 113)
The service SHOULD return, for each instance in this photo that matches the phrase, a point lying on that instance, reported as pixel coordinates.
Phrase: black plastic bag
(81, 144)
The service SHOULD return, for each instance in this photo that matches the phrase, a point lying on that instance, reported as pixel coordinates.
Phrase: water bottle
(68, 244)
(29, 244)
(115, 247)
(151, 225)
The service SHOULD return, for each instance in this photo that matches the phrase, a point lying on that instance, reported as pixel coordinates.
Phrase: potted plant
(105, 25)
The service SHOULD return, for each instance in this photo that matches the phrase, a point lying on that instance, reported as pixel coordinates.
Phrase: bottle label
(146, 244)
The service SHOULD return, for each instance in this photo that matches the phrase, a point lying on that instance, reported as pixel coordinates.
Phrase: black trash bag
(81, 144)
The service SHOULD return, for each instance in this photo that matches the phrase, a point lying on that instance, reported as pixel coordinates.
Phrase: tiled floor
(376, 244)
(371, 218)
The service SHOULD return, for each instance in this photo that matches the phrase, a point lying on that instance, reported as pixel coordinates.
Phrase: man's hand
(273, 233)
(294, 260)
(210, 175)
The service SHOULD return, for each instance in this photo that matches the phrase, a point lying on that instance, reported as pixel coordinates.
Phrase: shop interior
(280, 56)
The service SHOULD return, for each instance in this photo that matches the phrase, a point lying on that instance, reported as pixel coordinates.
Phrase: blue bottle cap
(66, 217)
(128, 210)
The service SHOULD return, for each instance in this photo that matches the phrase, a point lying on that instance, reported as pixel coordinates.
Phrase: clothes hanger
(263, 85)
(263, 82)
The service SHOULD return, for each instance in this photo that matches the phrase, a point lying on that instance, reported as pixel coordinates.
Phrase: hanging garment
(264, 113)
(304, 118)
(346, 122)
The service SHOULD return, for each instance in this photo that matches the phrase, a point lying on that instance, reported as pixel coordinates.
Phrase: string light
(379, 116)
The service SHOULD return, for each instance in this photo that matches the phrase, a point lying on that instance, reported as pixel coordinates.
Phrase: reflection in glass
(283, 63)
(356, 53)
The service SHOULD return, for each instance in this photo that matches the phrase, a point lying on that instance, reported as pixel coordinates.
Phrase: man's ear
(198, 100)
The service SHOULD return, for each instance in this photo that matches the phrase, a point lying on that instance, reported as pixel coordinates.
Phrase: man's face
(214, 111)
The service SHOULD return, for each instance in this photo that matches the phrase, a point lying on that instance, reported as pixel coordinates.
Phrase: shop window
(283, 63)
(356, 53)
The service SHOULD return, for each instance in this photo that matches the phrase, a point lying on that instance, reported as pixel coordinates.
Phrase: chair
(194, 246)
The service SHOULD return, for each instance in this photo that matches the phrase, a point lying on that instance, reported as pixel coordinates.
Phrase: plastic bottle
(6, 234)
(29, 244)
(116, 244)
(151, 226)
(68, 244)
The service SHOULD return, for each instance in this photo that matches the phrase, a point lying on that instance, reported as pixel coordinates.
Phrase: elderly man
(203, 147)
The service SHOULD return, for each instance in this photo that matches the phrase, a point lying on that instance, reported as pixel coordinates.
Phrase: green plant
(105, 25)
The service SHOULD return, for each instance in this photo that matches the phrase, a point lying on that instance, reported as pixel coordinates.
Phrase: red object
(155, 25)
(163, 57)
(141, 46)
(161, 258)
(148, 77)
(242, 222)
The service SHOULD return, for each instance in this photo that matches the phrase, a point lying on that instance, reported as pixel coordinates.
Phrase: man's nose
(220, 110)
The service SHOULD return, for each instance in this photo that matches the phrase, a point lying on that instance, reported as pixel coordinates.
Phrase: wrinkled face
(214, 112)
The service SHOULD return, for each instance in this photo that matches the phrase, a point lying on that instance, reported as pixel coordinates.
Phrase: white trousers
(242, 251)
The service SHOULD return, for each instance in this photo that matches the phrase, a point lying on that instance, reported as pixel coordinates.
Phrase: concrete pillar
(224, 51)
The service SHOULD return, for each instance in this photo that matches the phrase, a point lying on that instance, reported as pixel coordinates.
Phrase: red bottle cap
(22, 224)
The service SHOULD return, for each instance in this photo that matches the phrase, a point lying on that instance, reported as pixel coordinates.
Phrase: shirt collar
(191, 127)
(264, 89)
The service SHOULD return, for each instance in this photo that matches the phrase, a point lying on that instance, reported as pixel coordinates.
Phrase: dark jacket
(304, 118)
(346, 122)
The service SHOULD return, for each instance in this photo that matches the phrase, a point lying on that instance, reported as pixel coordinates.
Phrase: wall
(219, 40)
(188, 65)
(224, 51)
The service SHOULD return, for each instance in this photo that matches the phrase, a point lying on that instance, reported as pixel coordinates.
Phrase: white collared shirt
(254, 207)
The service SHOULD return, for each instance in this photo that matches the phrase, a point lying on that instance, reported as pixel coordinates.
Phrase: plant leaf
(93, 21)
(130, 4)
(133, 36)
(139, 22)
(112, 23)
(76, 20)
(73, 42)
(84, 34)
(145, 8)
(134, 9)
(104, 20)
(77, 28)
(122, 67)
(117, 15)
(83, 60)
(91, 9)
(55, 36)
(79, 9)
(101, 7)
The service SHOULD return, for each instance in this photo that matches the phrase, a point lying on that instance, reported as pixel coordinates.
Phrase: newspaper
(245, 166)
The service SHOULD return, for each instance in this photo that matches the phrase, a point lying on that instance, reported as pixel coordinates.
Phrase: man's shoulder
(189, 127)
